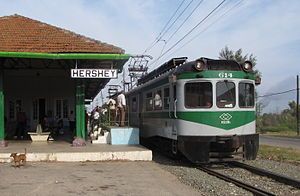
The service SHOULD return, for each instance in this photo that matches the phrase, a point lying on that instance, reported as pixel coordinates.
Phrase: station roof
(30, 44)
(22, 34)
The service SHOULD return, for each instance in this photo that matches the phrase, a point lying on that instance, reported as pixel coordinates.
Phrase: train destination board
(94, 73)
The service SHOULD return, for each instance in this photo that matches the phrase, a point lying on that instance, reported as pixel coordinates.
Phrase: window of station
(225, 94)
(158, 100)
(166, 101)
(149, 101)
(246, 95)
(198, 95)
(61, 108)
(14, 108)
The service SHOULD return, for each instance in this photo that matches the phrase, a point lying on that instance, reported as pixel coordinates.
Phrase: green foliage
(228, 54)
(284, 121)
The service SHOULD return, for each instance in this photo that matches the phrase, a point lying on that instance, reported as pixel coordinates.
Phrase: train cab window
(149, 101)
(225, 94)
(166, 101)
(246, 95)
(198, 95)
(157, 100)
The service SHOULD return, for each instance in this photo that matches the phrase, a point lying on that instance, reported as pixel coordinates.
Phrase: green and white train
(203, 109)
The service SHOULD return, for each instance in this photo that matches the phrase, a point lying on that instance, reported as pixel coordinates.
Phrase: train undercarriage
(205, 149)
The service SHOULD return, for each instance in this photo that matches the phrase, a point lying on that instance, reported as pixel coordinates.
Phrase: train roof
(180, 65)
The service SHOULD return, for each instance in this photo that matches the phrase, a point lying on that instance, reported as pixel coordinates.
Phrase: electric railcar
(203, 109)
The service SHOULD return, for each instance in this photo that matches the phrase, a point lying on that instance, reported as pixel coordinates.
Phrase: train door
(173, 114)
(140, 110)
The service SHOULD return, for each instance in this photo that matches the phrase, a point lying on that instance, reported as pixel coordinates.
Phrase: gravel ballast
(210, 185)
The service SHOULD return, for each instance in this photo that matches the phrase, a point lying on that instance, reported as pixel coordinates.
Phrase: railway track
(248, 187)
(279, 178)
(256, 191)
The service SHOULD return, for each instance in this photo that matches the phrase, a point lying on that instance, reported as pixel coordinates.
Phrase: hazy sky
(270, 29)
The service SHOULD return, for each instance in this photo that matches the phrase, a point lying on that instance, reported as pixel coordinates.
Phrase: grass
(279, 154)
(281, 133)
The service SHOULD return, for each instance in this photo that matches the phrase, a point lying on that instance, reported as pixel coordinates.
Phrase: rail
(248, 187)
(279, 178)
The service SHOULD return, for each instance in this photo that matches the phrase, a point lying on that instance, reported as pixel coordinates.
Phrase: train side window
(225, 94)
(198, 95)
(246, 95)
(133, 105)
(158, 100)
(166, 98)
(149, 101)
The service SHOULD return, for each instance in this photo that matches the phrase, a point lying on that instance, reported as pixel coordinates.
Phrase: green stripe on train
(217, 74)
(224, 120)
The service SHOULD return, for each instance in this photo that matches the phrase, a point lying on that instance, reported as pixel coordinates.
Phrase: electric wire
(279, 93)
(159, 35)
(197, 6)
(189, 32)
(188, 5)
(211, 24)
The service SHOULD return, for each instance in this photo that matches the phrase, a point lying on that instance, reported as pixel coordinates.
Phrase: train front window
(198, 95)
(225, 94)
(246, 95)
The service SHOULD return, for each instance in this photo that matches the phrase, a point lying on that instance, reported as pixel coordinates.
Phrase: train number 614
(225, 75)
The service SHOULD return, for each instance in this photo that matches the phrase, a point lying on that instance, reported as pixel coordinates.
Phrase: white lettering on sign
(225, 75)
(94, 73)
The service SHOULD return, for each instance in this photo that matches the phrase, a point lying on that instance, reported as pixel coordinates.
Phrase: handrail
(175, 108)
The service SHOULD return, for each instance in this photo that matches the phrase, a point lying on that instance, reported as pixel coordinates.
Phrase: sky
(269, 29)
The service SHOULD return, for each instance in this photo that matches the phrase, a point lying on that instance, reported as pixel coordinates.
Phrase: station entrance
(37, 92)
(42, 92)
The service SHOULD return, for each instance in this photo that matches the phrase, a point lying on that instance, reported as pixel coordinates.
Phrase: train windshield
(198, 95)
(246, 95)
(225, 94)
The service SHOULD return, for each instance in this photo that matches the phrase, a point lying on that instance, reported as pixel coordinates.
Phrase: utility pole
(297, 106)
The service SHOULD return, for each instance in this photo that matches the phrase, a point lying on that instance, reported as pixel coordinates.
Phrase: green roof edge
(64, 55)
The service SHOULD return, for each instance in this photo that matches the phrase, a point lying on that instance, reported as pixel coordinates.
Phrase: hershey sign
(94, 73)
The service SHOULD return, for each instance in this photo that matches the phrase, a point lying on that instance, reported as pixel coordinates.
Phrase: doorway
(42, 109)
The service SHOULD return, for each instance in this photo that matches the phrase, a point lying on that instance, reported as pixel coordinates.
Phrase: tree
(227, 54)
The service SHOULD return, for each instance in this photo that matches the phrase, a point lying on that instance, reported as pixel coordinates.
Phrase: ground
(90, 178)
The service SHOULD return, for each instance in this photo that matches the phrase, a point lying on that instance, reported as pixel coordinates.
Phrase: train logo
(225, 118)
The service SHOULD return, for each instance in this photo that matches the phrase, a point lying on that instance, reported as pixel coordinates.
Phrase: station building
(36, 60)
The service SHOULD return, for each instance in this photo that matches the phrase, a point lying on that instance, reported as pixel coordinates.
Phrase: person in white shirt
(112, 111)
(121, 104)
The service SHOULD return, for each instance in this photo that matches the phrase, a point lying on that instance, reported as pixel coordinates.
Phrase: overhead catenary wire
(181, 13)
(189, 32)
(197, 6)
(162, 31)
(211, 24)
(278, 93)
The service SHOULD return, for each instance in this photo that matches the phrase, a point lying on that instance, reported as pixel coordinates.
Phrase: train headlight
(247, 66)
(199, 66)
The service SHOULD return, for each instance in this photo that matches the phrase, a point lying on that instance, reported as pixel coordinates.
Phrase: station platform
(63, 152)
